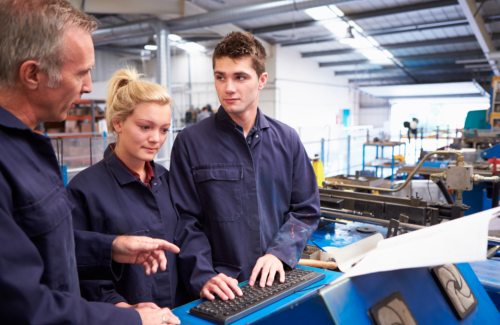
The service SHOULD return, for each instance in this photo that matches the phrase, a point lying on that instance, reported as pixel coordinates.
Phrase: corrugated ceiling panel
(360, 6)
(288, 17)
(412, 17)
(424, 35)
(340, 58)
(355, 67)
(432, 49)
(324, 46)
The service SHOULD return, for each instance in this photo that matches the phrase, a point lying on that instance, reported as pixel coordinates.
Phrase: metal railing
(340, 156)
(344, 155)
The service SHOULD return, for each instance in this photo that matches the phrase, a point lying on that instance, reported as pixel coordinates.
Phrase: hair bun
(125, 76)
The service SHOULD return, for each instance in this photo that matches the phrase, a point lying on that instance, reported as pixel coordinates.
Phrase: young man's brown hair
(237, 45)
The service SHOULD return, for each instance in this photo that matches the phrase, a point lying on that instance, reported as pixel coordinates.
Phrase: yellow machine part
(318, 170)
(400, 158)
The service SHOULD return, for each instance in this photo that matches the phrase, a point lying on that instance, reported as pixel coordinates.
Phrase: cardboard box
(71, 127)
(86, 126)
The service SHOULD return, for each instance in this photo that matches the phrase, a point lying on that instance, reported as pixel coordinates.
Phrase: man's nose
(230, 86)
(87, 83)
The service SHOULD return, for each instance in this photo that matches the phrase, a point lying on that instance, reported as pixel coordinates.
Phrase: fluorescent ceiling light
(357, 43)
(320, 13)
(373, 41)
(481, 102)
(440, 89)
(150, 47)
(336, 10)
(388, 54)
(191, 47)
(174, 37)
(338, 28)
(374, 54)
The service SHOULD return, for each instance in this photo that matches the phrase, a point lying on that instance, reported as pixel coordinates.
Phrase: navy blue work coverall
(247, 199)
(38, 275)
(109, 201)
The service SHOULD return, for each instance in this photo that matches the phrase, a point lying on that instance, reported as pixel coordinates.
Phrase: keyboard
(255, 298)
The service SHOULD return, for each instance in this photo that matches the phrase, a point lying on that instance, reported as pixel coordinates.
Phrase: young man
(46, 54)
(241, 182)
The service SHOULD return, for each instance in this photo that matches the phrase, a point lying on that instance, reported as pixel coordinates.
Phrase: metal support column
(364, 157)
(323, 150)
(348, 154)
(163, 69)
(392, 166)
(421, 139)
(92, 113)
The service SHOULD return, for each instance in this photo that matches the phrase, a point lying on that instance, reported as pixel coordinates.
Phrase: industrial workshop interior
(249, 162)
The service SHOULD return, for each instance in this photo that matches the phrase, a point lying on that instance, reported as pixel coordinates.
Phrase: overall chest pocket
(219, 187)
(44, 215)
(48, 224)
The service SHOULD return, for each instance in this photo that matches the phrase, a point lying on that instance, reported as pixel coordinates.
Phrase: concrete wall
(298, 92)
(309, 98)
(375, 116)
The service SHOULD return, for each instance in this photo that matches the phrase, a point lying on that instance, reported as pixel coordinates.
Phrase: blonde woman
(126, 193)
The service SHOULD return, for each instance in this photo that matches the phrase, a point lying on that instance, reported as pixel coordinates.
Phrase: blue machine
(349, 302)
(436, 164)
(491, 152)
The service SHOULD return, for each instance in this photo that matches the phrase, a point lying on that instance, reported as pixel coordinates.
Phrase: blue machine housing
(349, 302)
(491, 152)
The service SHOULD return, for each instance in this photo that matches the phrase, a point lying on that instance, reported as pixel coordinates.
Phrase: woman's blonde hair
(126, 91)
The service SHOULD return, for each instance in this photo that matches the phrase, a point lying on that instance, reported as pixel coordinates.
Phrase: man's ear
(29, 74)
(262, 80)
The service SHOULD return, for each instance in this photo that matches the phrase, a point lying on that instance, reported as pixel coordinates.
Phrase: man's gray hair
(34, 30)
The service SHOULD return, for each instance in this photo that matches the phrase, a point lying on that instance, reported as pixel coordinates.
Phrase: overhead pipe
(246, 12)
(218, 17)
(129, 40)
(130, 30)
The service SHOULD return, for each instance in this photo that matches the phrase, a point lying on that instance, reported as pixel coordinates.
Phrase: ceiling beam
(355, 16)
(401, 9)
(441, 41)
(476, 22)
(408, 58)
(431, 67)
(388, 31)
(426, 78)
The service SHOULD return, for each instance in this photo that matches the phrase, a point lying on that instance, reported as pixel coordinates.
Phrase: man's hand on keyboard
(268, 265)
(221, 285)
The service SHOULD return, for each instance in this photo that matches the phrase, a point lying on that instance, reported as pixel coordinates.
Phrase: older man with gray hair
(46, 54)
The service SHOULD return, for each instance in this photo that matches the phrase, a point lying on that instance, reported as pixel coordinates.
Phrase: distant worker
(412, 128)
(205, 113)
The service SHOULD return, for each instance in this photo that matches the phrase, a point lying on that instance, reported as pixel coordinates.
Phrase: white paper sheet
(458, 241)
(347, 256)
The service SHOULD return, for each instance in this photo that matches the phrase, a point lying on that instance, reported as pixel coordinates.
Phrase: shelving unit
(382, 145)
(494, 111)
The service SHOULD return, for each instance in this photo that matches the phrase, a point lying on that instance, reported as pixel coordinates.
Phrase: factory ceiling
(371, 42)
